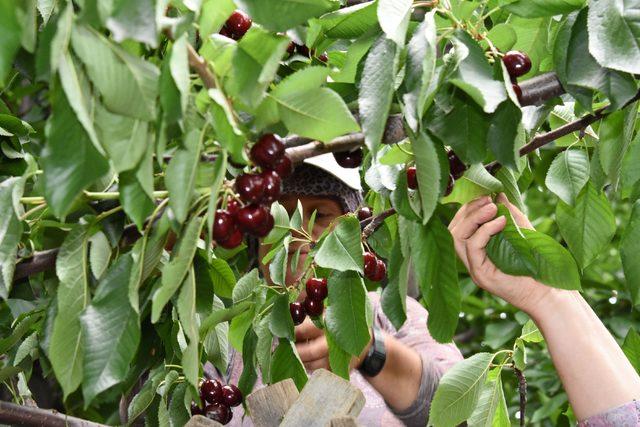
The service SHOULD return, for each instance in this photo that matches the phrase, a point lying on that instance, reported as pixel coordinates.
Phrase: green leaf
(128, 84)
(427, 172)
(339, 359)
(280, 15)
(136, 190)
(66, 351)
(355, 52)
(630, 170)
(176, 269)
(393, 16)
(531, 333)
(286, 363)
(99, 254)
(255, 63)
(134, 20)
(216, 342)
(502, 137)
(510, 187)
(187, 313)
(249, 375)
(246, 286)
(376, 90)
(318, 113)
(568, 173)
(459, 390)
(629, 252)
(263, 349)
(25, 348)
(180, 176)
(342, 249)
(475, 76)
(145, 396)
(222, 277)
(174, 81)
(10, 231)
(587, 227)
(503, 36)
(631, 348)
(69, 159)
(420, 71)
(349, 22)
(281, 324)
(543, 8)
(522, 252)
(615, 133)
(213, 15)
(614, 33)
(345, 317)
(492, 407)
(532, 37)
(475, 182)
(124, 139)
(111, 331)
(9, 36)
(394, 295)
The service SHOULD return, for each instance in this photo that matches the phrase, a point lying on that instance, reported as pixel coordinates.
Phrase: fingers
(518, 216)
(313, 349)
(476, 215)
(476, 244)
(307, 330)
(318, 364)
(473, 205)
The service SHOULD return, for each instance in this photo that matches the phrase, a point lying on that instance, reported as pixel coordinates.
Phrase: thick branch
(17, 415)
(39, 262)
(539, 89)
(376, 222)
(199, 64)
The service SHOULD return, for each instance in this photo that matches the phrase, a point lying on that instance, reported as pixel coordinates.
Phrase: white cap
(326, 162)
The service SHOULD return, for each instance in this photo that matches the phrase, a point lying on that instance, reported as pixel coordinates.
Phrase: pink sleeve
(627, 415)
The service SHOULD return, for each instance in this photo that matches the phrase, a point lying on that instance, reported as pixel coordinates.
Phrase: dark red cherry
(517, 91)
(517, 63)
(233, 206)
(272, 186)
(264, 228)
(313, 307)
(303, 50)
(251, 217)
(349, 159)
(211, 391)
(297, 312)
(238, 24)
(370, 264)
(195, 409)
(381, 271)
(267, 151)
(224, 31)
(233, 241)
(283, 167)
(364, 213)
(223, 225)
(291, 48)
(317, 288)
(412, 179)
(450, 184)
(456, 166)
(250, 187)
(217, 412)
(231, 395)
(323, 57)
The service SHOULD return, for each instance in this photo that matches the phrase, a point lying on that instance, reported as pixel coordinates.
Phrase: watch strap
(376, 357)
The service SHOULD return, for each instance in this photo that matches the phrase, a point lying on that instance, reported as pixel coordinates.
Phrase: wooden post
(268, 405)
(201, 421)
(344, 422)
(324, 397)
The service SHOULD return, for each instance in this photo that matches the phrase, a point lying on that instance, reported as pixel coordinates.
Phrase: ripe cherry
(313, 307)
(217, 412)
(223, 225)
(233, 241)
(224, 31)
(349, 159)
(517, 63)
(238, 24)
(264, 228)
(195, 409)
(251, 217)
(381, 271)
(233, 206)
(267, 151)
(364, 213)
(456, 166)
(517, 91)
(211, 391)
(250, 187)
(412, 179)
(317, 288)
(231, 395)
(450, 184)
(291, 48)
(323, 57)
(283, 167)
(297, 312)
(302, 50)
(272, 186)
(370, 264)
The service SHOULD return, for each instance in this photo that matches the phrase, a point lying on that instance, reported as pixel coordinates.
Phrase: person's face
(326, 209)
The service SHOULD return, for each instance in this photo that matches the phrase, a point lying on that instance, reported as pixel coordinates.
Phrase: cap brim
(328, 163)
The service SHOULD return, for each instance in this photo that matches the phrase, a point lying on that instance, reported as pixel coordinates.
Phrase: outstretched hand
(472, 227)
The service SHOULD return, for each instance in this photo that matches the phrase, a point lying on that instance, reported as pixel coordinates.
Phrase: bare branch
(376, 222)
(18, 415)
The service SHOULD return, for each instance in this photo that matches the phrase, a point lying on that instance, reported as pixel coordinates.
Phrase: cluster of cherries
(217, 401)
(374, 268)
(257, 191)
(237, 25)
(518, 64)
(313, 304)
(456, 170)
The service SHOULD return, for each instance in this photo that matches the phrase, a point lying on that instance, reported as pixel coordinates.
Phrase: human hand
(313, 348)
(472, 227)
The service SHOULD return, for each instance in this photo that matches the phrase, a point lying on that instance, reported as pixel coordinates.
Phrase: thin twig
(522, 388)
(376, 221)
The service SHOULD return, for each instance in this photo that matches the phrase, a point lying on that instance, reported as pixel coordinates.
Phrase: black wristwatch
(374, 361)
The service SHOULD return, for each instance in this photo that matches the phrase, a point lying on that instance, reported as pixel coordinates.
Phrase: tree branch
(376, 221)
(18, 415)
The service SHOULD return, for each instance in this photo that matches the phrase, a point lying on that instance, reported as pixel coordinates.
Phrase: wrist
(553, 305)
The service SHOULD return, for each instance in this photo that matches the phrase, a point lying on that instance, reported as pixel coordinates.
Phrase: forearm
(399, 381)
(593, 369)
